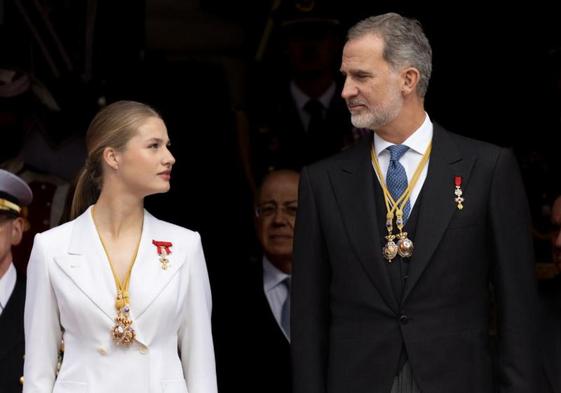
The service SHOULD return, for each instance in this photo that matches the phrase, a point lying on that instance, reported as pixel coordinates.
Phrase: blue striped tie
(396, 178)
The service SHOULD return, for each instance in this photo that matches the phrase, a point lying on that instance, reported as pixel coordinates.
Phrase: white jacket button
(102, 351)
(143, 349)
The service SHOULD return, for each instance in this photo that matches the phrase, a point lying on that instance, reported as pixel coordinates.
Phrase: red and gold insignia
(458, 192)
(163, 249)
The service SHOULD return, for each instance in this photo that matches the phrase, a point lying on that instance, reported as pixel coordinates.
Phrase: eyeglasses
(270, 209)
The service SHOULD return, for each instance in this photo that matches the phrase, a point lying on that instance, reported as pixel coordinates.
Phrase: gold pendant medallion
(404, 246)
(390, 249)
(395, 208)
(122, 332)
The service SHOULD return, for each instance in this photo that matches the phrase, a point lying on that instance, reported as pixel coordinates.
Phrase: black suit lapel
(438, 204)
(11, 320)
(353, 184)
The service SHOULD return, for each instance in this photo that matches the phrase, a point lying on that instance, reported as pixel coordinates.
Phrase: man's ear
(410, 78)
(17, 231)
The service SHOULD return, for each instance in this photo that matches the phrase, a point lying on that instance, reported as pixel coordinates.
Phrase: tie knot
(397, 151)
(314, 107)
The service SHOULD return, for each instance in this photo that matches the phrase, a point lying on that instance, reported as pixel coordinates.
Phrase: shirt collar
(7, 284)
(272, 276)
(302, 98)
(417, 142)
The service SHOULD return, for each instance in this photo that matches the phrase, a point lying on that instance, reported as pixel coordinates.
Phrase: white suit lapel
(87, 266)
(148, 278)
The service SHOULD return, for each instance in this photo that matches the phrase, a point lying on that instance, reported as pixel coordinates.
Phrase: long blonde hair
(113, 126)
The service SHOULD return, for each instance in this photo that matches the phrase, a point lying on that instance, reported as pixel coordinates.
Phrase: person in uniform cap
(15, 194)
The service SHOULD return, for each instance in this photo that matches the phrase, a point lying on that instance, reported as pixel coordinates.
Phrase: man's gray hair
(405, 43)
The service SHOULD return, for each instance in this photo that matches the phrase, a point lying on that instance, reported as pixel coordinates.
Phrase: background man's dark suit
(348, 327)
(281, 140)
(12, 341)
(253, 355)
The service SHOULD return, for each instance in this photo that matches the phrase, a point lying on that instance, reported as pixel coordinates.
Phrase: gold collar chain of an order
(122, 332)
(394, 209)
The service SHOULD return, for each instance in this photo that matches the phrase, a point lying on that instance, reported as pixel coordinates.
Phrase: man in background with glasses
(275, 211)
(251, 317)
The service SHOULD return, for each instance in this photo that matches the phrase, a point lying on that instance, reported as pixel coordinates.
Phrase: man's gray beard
(363, 120)
(375, 120)
(370, 120)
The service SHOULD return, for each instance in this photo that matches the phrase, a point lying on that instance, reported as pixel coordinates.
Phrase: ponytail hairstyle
(113, 126)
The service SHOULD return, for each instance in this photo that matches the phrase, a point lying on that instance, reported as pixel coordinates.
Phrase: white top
(7, 284)
(417, 143)
(275, 291)
(301, 99)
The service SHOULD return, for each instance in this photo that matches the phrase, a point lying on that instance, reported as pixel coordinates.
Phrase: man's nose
(349, 89)
(280, 217)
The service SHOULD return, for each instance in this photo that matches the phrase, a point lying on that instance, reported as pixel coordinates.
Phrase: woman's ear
(111, 158)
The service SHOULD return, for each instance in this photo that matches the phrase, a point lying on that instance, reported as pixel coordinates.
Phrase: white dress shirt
(301, 99)
(7, 285)
(417, 143)
(275, 291)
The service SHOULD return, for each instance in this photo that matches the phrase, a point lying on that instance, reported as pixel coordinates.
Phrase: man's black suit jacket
(12, 341)
(253, 355)
(348, 327)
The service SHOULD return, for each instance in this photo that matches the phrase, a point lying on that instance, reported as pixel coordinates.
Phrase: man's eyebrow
(276, 202)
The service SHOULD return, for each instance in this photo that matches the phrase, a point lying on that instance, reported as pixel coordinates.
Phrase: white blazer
(71, 296)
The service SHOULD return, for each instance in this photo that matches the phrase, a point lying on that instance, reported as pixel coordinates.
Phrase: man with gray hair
(400, 238)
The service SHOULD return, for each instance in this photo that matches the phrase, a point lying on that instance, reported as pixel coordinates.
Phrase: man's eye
(291, 210)
(268, 210)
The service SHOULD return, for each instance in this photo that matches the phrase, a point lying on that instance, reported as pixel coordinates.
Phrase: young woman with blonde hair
(127, 293)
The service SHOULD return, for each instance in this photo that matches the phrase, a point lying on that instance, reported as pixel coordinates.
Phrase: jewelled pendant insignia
(458, 192)
(390, 249)
(395, 210)
(404, 246)
(122, 332)
(163, 249)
